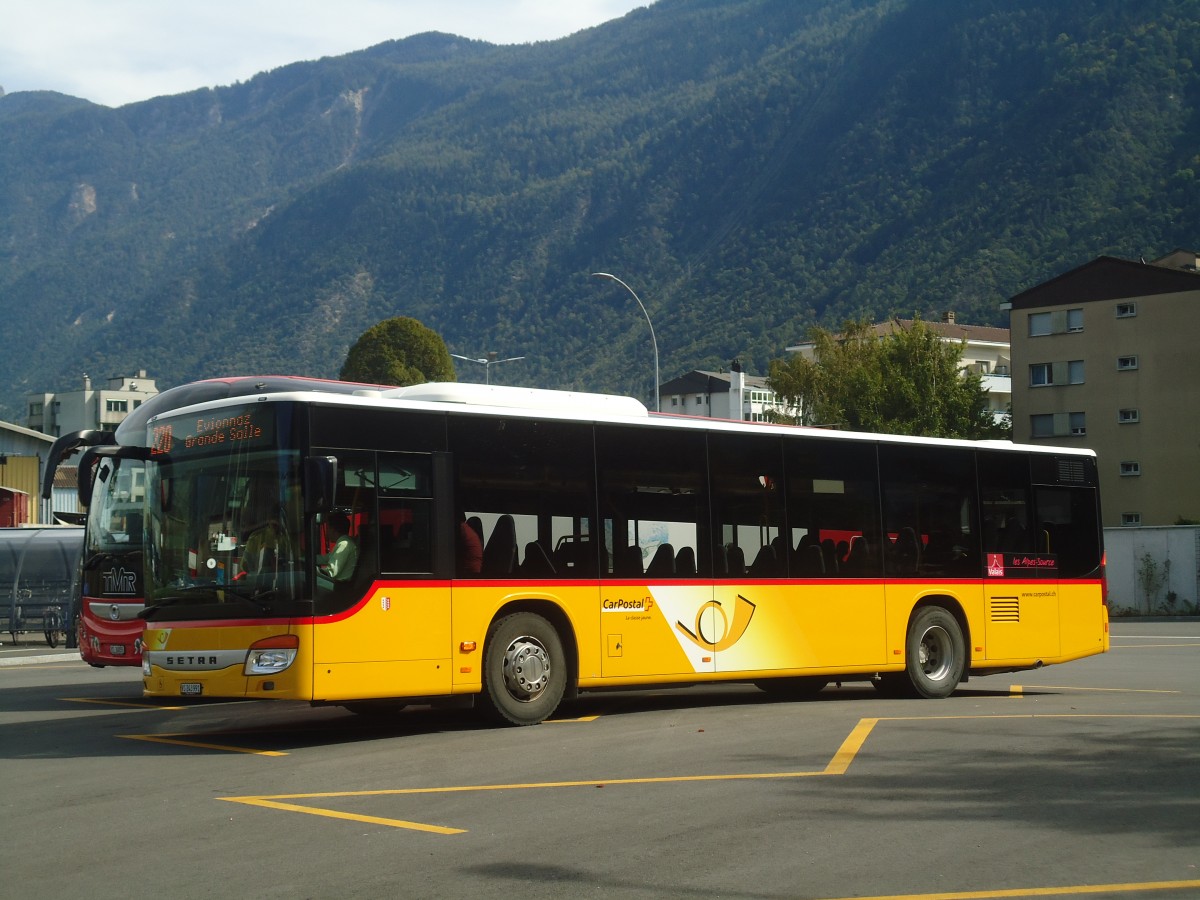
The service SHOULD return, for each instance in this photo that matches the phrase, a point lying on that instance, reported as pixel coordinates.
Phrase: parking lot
(1079, 780)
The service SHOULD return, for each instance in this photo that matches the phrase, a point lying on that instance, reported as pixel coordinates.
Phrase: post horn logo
(713, 630)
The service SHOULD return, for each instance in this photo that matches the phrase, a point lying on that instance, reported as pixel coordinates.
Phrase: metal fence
(39, 580)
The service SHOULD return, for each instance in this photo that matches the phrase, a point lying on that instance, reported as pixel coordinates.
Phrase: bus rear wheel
(935, 652)
(524, 669)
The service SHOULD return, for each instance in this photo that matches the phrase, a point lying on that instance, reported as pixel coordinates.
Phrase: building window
(1126, 310)
(1075, 371)
(117, 406)
(35, 409)
(1131, 468)
(674, 401)
(1126, 363)
(1041, 374)
(1128, 416)
(1061, 321)
(1046, 425)
(1131, 518)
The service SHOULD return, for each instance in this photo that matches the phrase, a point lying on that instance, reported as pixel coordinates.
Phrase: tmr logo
(120, 581)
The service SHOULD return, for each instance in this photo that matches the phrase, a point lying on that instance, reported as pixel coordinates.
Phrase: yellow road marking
(181, 742)
(129, 703)
(1066, 890)
(850, 747)
(1054, 687)
(838, 765)
(336, 814)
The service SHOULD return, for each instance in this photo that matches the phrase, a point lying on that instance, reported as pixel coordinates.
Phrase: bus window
(524, 488)
(833, 508)
(748, 525)
(652, 502)
(1068, 529)
(405, 530)
(1004, 495)
(929, 511)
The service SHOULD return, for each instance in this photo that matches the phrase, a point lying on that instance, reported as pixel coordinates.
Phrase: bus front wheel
(524, 669)
(935, 652)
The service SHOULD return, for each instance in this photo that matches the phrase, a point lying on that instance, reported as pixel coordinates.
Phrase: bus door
(1020, 574)
(383, 622)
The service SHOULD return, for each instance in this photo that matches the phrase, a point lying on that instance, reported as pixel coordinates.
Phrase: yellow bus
(507, 547)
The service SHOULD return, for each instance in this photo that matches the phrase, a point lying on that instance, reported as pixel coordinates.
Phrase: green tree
(398, 352)
(908, 381)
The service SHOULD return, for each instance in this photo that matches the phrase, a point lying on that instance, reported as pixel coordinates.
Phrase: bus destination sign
(229, 429)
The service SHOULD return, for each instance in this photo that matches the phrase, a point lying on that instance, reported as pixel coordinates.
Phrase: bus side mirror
(320, 483)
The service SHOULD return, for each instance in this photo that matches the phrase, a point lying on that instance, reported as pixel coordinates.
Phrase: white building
(102, 409)
(721, 395)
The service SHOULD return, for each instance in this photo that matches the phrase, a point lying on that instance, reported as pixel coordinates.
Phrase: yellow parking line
(1064, 891)
(336, 814)
(178, 741)
(1054, 687)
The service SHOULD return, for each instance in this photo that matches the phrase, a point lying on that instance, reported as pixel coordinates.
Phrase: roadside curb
(33, 660)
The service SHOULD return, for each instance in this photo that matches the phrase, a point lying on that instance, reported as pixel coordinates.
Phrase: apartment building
(1104, 356)
(100, 408)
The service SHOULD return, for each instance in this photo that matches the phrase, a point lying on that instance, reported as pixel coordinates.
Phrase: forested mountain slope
(749, 167)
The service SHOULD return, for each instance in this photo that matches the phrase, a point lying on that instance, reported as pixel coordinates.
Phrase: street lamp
(487, 362)
(653, 340)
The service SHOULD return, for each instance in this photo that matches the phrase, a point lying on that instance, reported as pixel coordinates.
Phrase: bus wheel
(936, 653)
(524, 669)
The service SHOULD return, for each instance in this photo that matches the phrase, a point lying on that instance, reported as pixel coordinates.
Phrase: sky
(115, 52)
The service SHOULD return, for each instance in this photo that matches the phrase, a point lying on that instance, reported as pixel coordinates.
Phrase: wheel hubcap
(526, 668)
(936, 653)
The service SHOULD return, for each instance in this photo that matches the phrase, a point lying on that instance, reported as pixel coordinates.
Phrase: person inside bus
(339, 563)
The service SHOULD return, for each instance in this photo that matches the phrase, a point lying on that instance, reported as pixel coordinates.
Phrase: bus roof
(538, 403)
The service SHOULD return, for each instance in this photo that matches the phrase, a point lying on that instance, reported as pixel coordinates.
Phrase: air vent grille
(1006, 609)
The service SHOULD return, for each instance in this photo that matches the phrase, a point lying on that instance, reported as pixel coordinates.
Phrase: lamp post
(487, 362)
(653, 339)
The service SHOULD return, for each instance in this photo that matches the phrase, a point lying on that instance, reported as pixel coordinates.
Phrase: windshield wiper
(180, 594)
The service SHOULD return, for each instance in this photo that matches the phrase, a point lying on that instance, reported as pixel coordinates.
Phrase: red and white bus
(106, 610)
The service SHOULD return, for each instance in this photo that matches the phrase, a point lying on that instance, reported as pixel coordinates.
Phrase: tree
(398, 352)
(905, 382)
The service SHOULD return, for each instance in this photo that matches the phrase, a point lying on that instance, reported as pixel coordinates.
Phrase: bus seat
(500, 554)
(537, 564)
(663, 563)
(765, 565)
(628, 562)
(812, 560)
(685, 563)
(906, 552)
(830, 553)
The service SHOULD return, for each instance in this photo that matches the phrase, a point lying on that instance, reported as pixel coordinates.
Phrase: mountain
(748, 167)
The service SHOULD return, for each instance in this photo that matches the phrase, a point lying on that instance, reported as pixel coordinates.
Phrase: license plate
(191, 689)
(116, 649)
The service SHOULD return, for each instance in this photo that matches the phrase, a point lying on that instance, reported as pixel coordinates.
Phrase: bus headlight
(271, 655)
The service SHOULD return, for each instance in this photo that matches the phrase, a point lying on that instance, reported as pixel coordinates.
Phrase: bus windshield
(225, 535)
